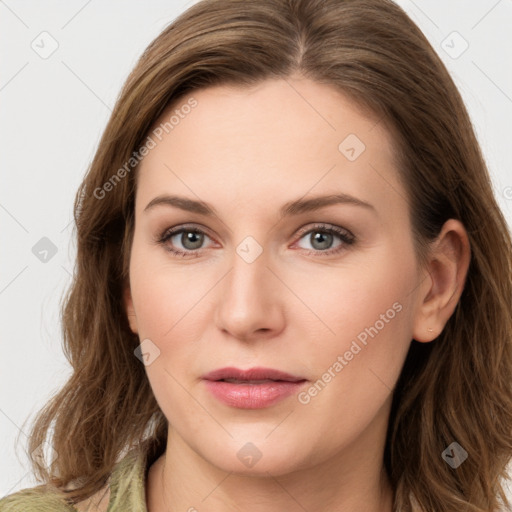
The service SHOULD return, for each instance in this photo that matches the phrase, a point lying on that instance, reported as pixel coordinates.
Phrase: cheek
(358, 364)
(167, 304)
(368, 316)
(164, 296)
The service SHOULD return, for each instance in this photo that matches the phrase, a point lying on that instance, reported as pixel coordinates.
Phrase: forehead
(282, 137)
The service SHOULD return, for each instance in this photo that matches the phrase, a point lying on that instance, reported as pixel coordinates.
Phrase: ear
(129, 309)
(446, 271)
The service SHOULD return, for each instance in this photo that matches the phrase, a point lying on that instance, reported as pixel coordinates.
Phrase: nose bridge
(247, 302)
(249, 270)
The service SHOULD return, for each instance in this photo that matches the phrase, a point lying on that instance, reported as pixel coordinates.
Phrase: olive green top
(126, 484)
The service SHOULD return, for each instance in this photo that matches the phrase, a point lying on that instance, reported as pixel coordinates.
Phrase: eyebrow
(295, 207)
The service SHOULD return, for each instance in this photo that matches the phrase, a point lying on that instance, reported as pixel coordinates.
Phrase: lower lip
(252, 396)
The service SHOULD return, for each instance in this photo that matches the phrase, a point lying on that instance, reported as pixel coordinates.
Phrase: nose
(249, 305)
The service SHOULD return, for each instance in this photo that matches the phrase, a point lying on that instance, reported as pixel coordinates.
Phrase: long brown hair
(457, 388)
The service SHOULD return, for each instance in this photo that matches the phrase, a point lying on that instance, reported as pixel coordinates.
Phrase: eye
(321, 238)
(191, 239)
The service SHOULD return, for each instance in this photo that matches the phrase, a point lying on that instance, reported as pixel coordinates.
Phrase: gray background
(53, 111)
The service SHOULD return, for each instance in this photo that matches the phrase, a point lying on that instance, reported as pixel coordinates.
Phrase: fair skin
(247, 152)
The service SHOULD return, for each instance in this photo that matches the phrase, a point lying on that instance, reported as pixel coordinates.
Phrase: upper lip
(258, 373)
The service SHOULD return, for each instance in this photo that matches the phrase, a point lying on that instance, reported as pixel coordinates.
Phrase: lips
(255, 388)
(252, 375)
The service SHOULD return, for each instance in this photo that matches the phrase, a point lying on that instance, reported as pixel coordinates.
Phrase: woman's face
(326, 291)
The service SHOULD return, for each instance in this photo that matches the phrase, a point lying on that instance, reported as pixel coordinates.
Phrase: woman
(225, 361)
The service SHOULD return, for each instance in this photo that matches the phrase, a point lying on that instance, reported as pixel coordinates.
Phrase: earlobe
(129, 309)
(447, 268)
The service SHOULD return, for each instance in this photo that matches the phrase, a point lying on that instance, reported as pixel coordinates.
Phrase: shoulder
(35, 499)
(125, 491)
(40, 499)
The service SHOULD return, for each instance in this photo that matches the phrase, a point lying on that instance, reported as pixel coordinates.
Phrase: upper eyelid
(324, 226)
(185, 227)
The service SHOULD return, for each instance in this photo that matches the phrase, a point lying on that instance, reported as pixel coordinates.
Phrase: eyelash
(346, 237)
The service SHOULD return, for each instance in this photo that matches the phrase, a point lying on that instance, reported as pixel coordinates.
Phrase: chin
(256, 458)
